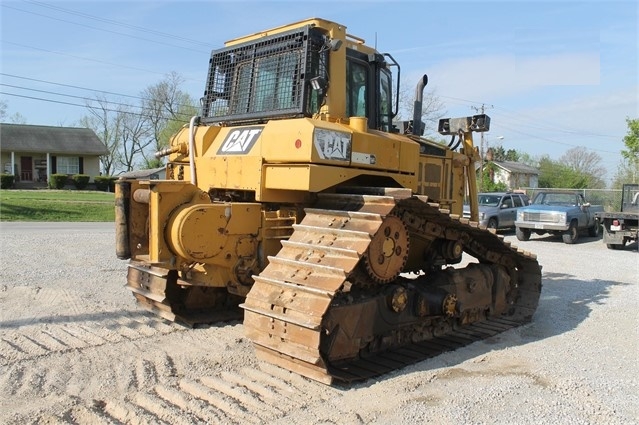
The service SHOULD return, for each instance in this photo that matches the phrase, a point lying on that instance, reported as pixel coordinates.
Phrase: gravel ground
(74, 348)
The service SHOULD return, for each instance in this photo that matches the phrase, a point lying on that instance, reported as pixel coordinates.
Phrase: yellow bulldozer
(297, 202)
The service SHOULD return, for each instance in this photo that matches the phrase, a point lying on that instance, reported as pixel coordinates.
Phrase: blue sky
(552, 75)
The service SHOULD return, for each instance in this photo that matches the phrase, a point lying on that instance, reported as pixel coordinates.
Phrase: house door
(26, 168)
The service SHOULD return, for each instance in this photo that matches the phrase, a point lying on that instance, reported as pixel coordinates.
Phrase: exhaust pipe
(417, 106)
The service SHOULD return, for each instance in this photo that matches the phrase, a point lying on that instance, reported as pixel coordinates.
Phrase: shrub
(80, 181)
(57, 181)
(6, 181)
(105, 183)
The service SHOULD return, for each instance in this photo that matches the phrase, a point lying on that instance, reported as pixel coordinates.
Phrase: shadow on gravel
(583, 238)
(564, 304)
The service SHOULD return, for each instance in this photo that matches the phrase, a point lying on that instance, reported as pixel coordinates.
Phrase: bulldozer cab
(301, 70)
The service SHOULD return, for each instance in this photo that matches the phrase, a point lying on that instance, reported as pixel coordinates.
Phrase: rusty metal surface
(315, 312)
(156, 290)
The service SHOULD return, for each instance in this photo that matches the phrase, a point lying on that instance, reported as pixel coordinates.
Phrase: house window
(68, 165)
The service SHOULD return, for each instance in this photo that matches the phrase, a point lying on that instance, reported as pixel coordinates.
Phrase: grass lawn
(56, 205)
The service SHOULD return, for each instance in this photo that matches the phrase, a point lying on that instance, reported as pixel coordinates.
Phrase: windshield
(266, 78)
(489, 200)
(564, 199)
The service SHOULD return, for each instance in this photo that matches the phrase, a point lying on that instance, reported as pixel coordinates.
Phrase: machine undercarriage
(361, 287)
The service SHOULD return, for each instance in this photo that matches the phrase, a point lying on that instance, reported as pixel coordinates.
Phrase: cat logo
(332, 145)
(240, 141)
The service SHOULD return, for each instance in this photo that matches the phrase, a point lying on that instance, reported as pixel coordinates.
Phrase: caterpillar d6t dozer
(295, 199)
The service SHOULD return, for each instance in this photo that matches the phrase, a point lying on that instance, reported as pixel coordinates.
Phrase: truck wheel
(522, 234)
(572, 234)
(594, 230)
(492, 224)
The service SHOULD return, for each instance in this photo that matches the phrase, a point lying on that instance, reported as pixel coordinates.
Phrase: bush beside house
(6, 181)
(105, 183)
(80, 181)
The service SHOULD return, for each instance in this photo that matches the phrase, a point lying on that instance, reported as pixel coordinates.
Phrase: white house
(513, 174)
(33, 152)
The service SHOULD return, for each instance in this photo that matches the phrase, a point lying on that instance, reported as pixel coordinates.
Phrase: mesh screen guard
(266, 79)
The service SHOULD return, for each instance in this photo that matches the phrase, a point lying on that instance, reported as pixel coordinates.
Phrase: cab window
(507, 201)
(356, 96)
(518, 202)
(385, 100)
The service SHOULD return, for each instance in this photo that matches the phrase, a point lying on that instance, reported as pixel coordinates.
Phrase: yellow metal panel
(317, 178)
(332, 27)
(371, 151)
(244, 219)
(288, 141)
(409, 156)
(203, 139)
(230, 172)
(164, 197)
(287, 177)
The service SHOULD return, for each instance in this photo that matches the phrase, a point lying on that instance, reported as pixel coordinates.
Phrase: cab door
(507, 212)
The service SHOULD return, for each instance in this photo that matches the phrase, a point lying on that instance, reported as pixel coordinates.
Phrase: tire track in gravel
(146, 386)
(248, 396)
(32, 341)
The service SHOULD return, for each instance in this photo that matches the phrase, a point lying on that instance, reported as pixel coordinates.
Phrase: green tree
(626, 173)
(631, 153)
(500, 154)
(576, 169)
(512, 155)
(488, 183)
(584, 168)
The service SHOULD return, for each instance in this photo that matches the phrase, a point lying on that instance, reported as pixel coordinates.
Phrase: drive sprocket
(387, 253)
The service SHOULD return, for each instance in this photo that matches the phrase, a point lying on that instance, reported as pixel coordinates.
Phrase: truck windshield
(563, 199)
(489, 200)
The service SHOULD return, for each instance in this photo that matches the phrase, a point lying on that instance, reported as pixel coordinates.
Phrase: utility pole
(481, 147)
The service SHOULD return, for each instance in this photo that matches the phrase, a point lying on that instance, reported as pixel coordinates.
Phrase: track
(313, 311)
(157, 290)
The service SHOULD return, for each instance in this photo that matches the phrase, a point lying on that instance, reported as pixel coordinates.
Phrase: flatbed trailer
(621, 227)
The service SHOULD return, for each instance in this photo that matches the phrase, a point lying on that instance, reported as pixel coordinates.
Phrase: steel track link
(284, 310)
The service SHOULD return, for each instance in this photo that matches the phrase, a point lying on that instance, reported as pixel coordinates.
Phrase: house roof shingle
(54, 140)
(517, 167)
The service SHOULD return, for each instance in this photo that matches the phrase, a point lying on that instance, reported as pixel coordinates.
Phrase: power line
(103, 29)
(66, 95)
(80, 88)
(71, 86)
(80, 57)
(138, 114)
(550, 126)
(117, 23)
(514, 130)
(518, 115)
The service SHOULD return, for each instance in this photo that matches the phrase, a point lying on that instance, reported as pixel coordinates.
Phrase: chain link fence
(609, 198)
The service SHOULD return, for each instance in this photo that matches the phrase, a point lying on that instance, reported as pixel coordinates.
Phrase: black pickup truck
(622, 226)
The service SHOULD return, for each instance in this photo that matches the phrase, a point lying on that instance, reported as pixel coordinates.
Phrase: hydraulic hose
(192, 149)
